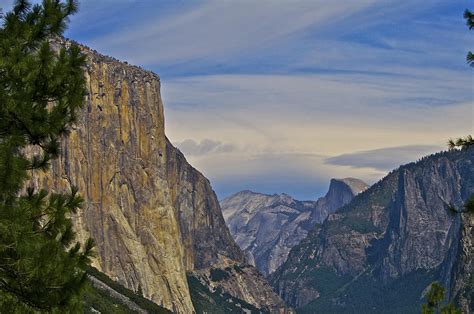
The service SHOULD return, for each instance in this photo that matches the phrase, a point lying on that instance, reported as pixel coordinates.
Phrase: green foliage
(462, 143)
(140, 291)
(360, 224)
(216, 302)
(100, 300)
(470, 23)
(218, 274)
(103, 302)
(326, 281)
(42, 269)
(469, 205)
(366, 294)
(467, 208)
(238, 269)
(434, 296)
(434, 300)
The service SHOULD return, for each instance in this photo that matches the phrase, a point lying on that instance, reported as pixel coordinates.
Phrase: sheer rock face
(266, 227)
(154, 217)
(461, 274)
(400, 227)
(203, 231)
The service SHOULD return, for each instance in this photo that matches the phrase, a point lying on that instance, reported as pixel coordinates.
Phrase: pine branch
(463, 143)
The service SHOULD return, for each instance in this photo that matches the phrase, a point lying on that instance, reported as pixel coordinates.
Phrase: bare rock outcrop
(154, 217)
(266, 227)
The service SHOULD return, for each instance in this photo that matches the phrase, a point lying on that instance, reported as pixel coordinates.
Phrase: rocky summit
(380, 252)
(154, 217)
(266, 227)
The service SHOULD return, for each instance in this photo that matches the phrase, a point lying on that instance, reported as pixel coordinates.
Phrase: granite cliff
(154, 217)
(380, 252)
(266, 227)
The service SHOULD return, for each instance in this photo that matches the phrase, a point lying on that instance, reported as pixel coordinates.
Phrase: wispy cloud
(384, 159)
(228, 36)
(285, 127)
(280, 96)
(205, 146)
(221, 29)
(324, 114)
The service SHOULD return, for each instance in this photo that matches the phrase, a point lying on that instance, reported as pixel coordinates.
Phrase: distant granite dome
(355, 185)
(266, 227)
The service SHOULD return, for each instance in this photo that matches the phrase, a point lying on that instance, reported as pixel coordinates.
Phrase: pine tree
(434, 299)
(42, 268)
(139, 291)
(463, 143)
(469, 16)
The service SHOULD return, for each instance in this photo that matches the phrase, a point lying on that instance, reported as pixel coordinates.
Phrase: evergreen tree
(468, 141)
(469, 16)
(462, 142)
(139, 291)
(434, 299)
(42, 268)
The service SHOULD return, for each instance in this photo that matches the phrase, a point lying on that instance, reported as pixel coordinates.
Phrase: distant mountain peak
(355, 185)
(267, 226)
(342, 191)
(244, 192)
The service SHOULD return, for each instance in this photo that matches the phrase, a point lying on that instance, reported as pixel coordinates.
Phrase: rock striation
(461, 270)
(154, 217)
(266, 227)
(388, 244)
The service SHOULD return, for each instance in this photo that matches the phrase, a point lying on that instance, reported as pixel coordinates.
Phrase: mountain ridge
(387, 244)
(267, 226)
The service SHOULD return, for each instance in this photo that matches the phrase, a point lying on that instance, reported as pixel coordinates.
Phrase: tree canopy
(469, 16)
(42, 267)
(434, 299)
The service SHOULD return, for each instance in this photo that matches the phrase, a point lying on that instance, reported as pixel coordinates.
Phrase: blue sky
(280, 96)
